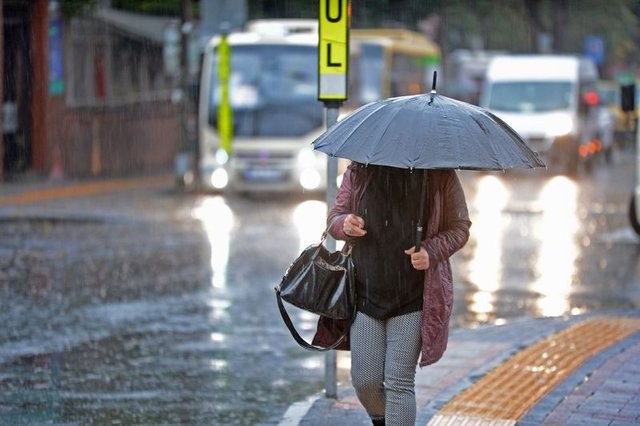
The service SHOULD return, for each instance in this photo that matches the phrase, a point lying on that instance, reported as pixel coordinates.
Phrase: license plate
(264, 174)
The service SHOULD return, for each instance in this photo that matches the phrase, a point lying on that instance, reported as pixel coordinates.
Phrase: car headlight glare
(219, 178)
(306, 158)
(221, 156)
(310, 179)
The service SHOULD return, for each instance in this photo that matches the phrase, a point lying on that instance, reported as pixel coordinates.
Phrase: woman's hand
(353, 226)
(419, 259)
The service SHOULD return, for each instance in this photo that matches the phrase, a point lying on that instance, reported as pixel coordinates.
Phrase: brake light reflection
(590, 148)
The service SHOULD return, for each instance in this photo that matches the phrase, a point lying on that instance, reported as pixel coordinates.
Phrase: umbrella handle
(418, 237)
(424, 196)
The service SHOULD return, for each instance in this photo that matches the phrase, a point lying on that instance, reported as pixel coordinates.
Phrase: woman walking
(404, 296)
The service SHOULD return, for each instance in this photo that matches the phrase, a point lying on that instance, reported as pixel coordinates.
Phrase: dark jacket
(447, 231)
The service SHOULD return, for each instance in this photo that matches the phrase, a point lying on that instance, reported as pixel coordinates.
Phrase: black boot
(378, 422)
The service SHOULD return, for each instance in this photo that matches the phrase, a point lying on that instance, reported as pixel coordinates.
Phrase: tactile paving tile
(508, 392)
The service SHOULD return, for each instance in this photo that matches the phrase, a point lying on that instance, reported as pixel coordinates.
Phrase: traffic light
(628, 97)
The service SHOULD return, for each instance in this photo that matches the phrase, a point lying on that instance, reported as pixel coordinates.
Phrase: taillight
(591, 98)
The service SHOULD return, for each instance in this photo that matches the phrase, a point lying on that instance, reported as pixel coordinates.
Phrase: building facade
(87, 95)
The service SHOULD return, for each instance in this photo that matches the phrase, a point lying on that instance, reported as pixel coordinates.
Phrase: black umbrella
(427, 131)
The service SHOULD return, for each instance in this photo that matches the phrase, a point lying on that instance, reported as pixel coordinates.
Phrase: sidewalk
(553, 371)
(27, 191)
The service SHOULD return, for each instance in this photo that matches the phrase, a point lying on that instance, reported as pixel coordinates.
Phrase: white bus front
(276, 116)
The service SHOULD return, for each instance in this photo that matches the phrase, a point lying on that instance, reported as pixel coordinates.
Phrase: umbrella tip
(435, 79)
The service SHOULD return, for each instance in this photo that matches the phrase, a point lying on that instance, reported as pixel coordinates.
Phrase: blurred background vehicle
(551, 100)
(272, 93)
(273, 96)
(465, 73)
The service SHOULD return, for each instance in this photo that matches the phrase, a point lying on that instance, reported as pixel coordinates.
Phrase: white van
(551, 101)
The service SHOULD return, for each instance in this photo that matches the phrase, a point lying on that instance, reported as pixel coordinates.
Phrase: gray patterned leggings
(384, 356)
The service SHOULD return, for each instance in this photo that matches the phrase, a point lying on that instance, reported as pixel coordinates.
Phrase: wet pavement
(112, 314)
(124, 302)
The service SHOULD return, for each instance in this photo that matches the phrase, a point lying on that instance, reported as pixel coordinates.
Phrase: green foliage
(365, 13)
(294, 9)
(76, 7)
(151, 7)
(610, 19)
(508, 25)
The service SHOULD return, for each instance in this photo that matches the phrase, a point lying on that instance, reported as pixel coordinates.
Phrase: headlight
(310, 179)
(219, 178)
(221, 156)
(306, 158)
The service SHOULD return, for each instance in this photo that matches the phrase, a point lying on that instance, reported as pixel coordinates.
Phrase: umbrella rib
(491, 148)
(381, 138)
(430, 104)
(357, 126)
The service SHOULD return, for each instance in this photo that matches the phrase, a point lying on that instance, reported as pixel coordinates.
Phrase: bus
(389, 62)
(273, 95)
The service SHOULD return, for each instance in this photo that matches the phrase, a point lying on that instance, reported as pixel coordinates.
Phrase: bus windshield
(368, 78)
(530, 96)
(272, 90)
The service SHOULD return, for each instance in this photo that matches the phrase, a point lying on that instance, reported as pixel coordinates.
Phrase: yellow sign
(333, 50)
(225, 113)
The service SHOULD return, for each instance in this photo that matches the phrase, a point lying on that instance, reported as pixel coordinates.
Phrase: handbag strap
(325, 233)
(287, 319)
(348, 244)
(299, 339)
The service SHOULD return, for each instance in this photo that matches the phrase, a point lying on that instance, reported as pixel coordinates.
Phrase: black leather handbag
(321, 282)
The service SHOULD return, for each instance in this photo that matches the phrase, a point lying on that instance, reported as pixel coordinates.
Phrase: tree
(76, 7)
(507, 25)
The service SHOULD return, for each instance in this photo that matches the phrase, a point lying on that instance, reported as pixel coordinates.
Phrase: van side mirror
(628, 97)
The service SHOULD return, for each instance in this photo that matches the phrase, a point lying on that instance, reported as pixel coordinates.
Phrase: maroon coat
(447, 231)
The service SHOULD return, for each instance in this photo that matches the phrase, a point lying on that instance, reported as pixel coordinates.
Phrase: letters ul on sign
(334, 20)
(333, 50)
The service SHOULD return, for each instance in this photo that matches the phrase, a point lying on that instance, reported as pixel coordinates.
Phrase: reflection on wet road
(541, 250)
(546, 246)
(164, 317)
(150, 307)
(217, 221)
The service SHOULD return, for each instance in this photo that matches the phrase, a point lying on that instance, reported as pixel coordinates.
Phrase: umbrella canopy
(427, 131)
